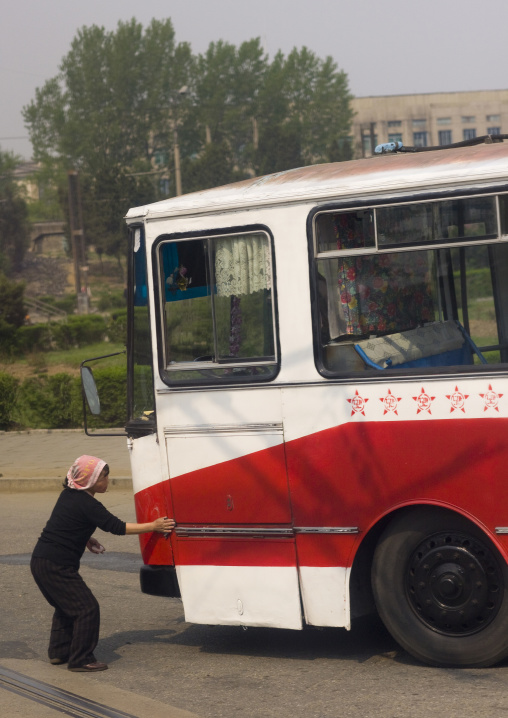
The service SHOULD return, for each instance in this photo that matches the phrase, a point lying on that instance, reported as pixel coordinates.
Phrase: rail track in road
(59, 700)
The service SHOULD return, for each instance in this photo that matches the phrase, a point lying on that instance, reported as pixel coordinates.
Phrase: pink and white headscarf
(84, 472)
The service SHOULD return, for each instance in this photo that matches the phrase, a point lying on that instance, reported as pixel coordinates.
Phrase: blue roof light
(388, 147)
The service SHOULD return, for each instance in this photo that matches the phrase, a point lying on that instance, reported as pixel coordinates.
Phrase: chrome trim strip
(261, 531)
(327, 529)
(212, 429)
(501, 529)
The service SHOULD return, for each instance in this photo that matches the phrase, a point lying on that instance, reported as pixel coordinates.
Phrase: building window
(366, 144)
(493, 130)
(395, 137)
(445, 137)
(420, 139)
(419, 123)
(469, 134)
(443, 120)
(394, 123)
(468, 118)
(493, 118)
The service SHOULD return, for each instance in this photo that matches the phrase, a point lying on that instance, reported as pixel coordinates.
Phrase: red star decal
(491, 399)
(458, 399)
(424, 401)
(357, 404)
(390, 403)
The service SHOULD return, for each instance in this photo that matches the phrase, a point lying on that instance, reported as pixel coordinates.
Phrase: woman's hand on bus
(164, 525)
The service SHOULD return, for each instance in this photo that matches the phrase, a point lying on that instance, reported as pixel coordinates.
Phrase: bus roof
(481, 164)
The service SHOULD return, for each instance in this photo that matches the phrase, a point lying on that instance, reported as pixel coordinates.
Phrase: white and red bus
(318, 394)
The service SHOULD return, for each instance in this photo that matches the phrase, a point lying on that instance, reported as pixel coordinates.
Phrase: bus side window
(218, 309)
(424, 307)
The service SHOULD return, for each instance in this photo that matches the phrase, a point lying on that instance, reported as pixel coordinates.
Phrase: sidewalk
(39, 460)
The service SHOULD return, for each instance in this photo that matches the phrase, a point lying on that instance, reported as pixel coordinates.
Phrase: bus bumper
(159, 581)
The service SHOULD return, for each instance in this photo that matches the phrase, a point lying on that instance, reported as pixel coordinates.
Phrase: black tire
(441, 589)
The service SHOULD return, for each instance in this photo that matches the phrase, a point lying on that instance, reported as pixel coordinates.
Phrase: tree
(106, 198)
(13, 216)
(12, 309)
(111, 96)
(279, 149)
(308, 98)
(228, 83)
(100, 116)
(123, 100)
(213, 168)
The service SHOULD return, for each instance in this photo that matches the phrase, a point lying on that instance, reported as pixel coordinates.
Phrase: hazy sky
(390, 47)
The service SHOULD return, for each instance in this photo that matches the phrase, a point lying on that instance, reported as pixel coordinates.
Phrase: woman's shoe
(90, 667)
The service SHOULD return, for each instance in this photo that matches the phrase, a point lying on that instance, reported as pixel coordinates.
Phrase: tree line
(123, 99)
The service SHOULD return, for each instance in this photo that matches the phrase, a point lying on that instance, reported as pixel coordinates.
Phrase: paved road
(39, 460)
(216, 671)
(159, 664)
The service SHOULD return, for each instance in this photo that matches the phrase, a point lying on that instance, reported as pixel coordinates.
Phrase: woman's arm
(164, 525)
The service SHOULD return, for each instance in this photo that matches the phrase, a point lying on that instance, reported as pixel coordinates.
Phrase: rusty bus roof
(479, 165)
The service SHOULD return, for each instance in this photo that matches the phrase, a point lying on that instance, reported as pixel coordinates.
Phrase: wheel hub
(454, 583)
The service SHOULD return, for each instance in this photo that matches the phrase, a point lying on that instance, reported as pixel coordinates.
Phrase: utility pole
(175, 101)
(178, 171)
(78, 242)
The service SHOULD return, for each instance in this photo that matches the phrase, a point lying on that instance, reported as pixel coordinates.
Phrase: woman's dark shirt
(74, 519)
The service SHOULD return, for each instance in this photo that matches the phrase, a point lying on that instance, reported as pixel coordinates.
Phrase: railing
(45, 309)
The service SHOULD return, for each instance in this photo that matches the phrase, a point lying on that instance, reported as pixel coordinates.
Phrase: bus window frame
(218, 382)
(137, 426)
(373, 202)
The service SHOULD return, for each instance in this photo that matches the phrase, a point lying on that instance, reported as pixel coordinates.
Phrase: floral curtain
(383, 292)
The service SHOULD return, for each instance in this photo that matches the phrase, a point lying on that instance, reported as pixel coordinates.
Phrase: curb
(16, 486)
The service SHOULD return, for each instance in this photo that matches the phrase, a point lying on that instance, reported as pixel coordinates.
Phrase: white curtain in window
(242, 265)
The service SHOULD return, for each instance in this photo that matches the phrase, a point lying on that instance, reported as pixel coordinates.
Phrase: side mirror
(90, 390)
(91, 395)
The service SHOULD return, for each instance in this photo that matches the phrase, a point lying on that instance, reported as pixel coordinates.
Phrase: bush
(111, 300)
(33, 338)
(8, 338)
(56, 402)
(117, 327)
(79, 331)
(12, 308)
(50, 402)
(8, 391)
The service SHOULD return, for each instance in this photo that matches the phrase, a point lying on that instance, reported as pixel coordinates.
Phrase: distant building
(426, 120)
(25, 175)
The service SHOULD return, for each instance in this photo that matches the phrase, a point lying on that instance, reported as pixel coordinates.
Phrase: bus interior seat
(437, 344)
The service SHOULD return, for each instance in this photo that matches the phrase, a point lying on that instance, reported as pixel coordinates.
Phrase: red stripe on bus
(247, 490)
(349, 475)
(235, 552)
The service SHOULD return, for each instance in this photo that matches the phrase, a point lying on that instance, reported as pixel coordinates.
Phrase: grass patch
(74, 357)
(67, 360)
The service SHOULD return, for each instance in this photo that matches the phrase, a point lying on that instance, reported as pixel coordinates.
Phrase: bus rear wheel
(441, 589)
